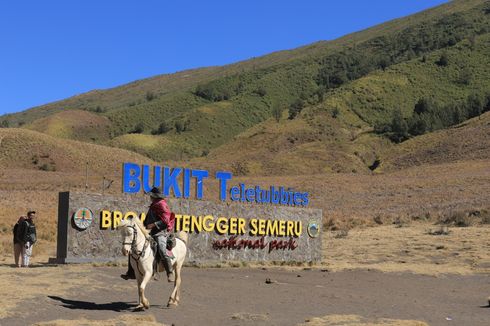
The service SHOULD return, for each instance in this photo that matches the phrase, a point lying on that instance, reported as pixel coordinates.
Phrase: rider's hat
(155, 192)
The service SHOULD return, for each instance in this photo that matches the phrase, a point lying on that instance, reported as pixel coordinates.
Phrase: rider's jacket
(159, 213)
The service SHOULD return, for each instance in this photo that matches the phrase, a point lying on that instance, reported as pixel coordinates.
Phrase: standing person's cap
(31, 212)
(155, 192)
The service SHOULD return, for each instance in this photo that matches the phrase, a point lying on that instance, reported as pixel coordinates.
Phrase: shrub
(240, 168)
(139, 128)
(48, 167)
(276, 112)
(295, 108)
(163, 128)
(443, 60)
(150, 96)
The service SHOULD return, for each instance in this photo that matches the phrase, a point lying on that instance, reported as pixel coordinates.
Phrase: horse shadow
(86, 305)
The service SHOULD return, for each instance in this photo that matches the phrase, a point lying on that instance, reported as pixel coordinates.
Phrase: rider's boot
(130, 273)
(167, 262)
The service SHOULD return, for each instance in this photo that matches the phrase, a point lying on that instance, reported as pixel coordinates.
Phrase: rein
(134, 246)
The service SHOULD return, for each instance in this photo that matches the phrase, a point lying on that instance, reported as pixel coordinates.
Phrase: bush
(443, 60)
(296, 108)
(163, 128)
(240, 168)
(399, 127)
(276, 112)
(179, 126)
(150, 96)
(48, 167)
(456, 218)
(139, 128)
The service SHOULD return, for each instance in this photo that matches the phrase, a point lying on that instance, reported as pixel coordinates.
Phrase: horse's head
(128, 235)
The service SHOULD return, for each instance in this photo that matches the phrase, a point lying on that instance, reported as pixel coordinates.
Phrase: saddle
(171, 243)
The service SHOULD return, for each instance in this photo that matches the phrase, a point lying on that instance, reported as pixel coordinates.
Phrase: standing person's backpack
(18, 231)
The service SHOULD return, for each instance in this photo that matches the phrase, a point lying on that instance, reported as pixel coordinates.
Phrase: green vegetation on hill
(335, 93)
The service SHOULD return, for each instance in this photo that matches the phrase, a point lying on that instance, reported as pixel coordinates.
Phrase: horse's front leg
(174, 297)
(141, 289)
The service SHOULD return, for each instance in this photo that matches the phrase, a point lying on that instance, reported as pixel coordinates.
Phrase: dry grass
(123, 320)
(38, 280)
(410, 249)
(354, 320)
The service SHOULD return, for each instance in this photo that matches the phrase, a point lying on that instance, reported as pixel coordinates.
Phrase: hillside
(323, 108)
(337, 135)
(469, 141)
(365, 76)
(73, 124)
(22, 149)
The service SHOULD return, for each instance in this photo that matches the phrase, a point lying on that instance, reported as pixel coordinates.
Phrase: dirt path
(241, 297)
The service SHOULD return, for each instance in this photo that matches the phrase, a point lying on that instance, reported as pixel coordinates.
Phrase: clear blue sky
(51, 49)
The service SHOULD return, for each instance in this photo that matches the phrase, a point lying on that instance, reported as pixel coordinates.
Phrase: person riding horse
(159, 221)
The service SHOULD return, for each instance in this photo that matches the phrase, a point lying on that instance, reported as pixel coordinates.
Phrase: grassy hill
(73, 124)
(469, 141)
(23, 149)
(335, 94)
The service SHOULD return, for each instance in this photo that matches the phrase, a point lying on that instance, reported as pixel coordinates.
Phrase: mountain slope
(360, 79)
(31, 150)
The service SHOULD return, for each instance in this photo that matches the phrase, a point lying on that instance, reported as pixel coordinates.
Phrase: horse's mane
(140, 225)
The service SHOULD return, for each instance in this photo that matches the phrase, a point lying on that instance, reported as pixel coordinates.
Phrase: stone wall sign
(217, 231)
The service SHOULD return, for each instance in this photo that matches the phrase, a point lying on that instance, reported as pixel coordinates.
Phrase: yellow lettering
(298, 228)
(196, 225)
(186, 223)
(261, 227)
(272, 227)
(289, 229)
(253, 226)
(233, 226)
(129, 215)
(208, 224)
(282, 226)
(220, 228)
(178, 222)
(105, 219)
(116, 218)
(241, 226)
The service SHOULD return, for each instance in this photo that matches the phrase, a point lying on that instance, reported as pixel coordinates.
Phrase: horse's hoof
(146, 305)
(139, 307)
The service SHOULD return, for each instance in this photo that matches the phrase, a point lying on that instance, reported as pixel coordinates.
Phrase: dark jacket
(159, 214)
(26, 231)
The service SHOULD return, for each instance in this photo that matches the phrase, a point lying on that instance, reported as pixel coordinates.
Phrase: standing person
(27, 235)
(160, 223)
(18, 242)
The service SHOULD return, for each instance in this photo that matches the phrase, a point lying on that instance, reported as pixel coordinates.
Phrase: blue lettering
(157, 178)
(131, 174)
(170, 181)
(234, 193)
(305, 199)
(223, 178)
(187, 183)
(199, 175)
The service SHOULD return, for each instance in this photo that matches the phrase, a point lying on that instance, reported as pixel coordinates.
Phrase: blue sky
(50, 49)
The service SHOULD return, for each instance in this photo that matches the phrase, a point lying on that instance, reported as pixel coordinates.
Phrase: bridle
(134, 245)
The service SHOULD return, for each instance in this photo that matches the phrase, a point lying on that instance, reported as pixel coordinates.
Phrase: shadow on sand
(85, 305)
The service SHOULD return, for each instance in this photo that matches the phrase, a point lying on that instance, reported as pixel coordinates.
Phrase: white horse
(136, 243)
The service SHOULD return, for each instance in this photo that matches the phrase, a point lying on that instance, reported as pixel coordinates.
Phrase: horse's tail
(182, 236)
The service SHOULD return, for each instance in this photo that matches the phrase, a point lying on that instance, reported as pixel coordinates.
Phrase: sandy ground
(240, 296)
